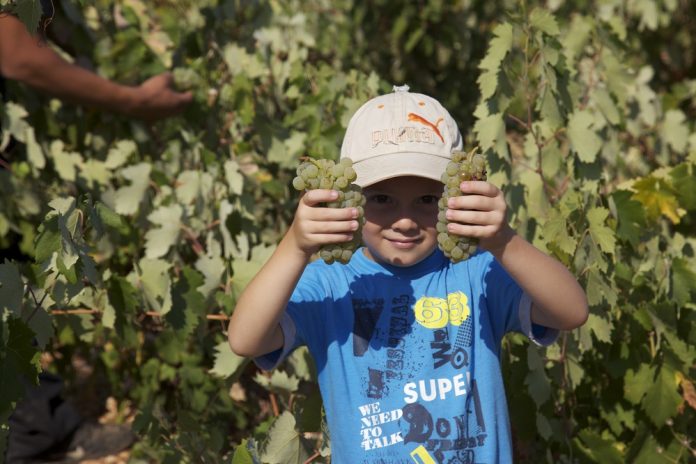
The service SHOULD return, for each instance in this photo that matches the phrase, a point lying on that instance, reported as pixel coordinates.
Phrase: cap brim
(388, 166)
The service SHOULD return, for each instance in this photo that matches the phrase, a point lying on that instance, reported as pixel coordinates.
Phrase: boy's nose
(404, 222)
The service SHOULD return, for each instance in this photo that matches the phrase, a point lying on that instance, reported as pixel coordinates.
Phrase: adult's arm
(25, 58)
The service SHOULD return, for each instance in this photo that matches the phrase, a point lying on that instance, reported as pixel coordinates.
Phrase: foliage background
(125, 245)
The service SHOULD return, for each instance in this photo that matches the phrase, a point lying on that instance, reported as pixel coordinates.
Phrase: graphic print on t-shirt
(410, 397)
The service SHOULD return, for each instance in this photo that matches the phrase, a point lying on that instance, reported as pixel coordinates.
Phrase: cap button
(400, 88)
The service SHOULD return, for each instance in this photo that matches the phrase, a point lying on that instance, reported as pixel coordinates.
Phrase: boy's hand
(316, 225)
(480, 213)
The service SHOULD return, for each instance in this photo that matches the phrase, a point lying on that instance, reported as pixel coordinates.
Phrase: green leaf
(555, 230)
(630, 215)
(120, 153)
(19, 361)
(499, 46)
(606, 105)
(235, 179)
(602, 235)
(40, 322)
(226, 362)
(11, 289)
(29, 13)
(242, 454)
(684, 183)
(675, 130)
(662, 399)
(278, 382)
(284, 444)
(636, 383)
(536, 379)
(601, 327)
(123, 299)
(584, 140)
(128, 198)
(657, 197)
(212, 267)
(244, 271)
(159, 240)
(543, 20)
(65, 163)
(154, 277)
(683, 279)
(187, 301)
(109, 217)
(600, 449)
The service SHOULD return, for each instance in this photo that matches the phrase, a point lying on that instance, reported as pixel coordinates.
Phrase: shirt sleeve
(271, 360)
(542, 336)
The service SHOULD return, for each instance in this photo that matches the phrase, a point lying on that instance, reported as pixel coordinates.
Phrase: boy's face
(400, 219)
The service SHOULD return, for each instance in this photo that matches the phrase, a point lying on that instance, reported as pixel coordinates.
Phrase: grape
(325, 174)
(469, 166)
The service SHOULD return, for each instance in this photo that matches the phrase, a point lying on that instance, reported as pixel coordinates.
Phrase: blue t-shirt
(408, 358)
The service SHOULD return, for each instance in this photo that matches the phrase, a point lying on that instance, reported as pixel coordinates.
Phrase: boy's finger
(333, 214)
(479, 187)
(334, 227)
(472, 217)
(471, 202)
(314, 197)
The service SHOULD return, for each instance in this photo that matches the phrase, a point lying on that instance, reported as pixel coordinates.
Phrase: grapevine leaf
(662, 399)
(11, 289)
(35, 153)
(159, 240)
(212, 267)
(20, 354)
(128, 198)
(242, 454)
(186, 301)
(636, 383)
(583, 139)
(675, 130)
(191, 185)
(631, 217)
(120, 153)
(683, 278)
(244, 271)
(657, 197)
(536, 380)
(499, 46)
(227, 363)
(600, 326)
(606, 105)
(684, 183)
(278, 382)
(235, 179)
(29, 13)
(65, 163)
(156, 284)
(40, 322)
(544, 21)
(543, 426)
(555, 230)
(602, 235)
(108, 217)
(599, 448)
(123, 299)
(284, 445)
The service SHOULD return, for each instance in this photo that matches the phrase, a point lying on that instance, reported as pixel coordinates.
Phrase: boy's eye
(429, 199)
(379, 198)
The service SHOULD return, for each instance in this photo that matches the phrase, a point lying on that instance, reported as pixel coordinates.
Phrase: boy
(406, 343)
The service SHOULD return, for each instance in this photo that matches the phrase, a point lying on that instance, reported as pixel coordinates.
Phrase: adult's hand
(156, 99)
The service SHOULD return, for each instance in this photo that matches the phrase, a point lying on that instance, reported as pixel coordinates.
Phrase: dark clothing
(41, 420)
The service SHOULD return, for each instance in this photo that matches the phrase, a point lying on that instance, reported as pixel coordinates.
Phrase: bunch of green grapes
(185, 78)
(325, 174)
(464, 166)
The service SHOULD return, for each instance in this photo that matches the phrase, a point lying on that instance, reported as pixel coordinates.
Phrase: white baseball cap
(400, 134)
